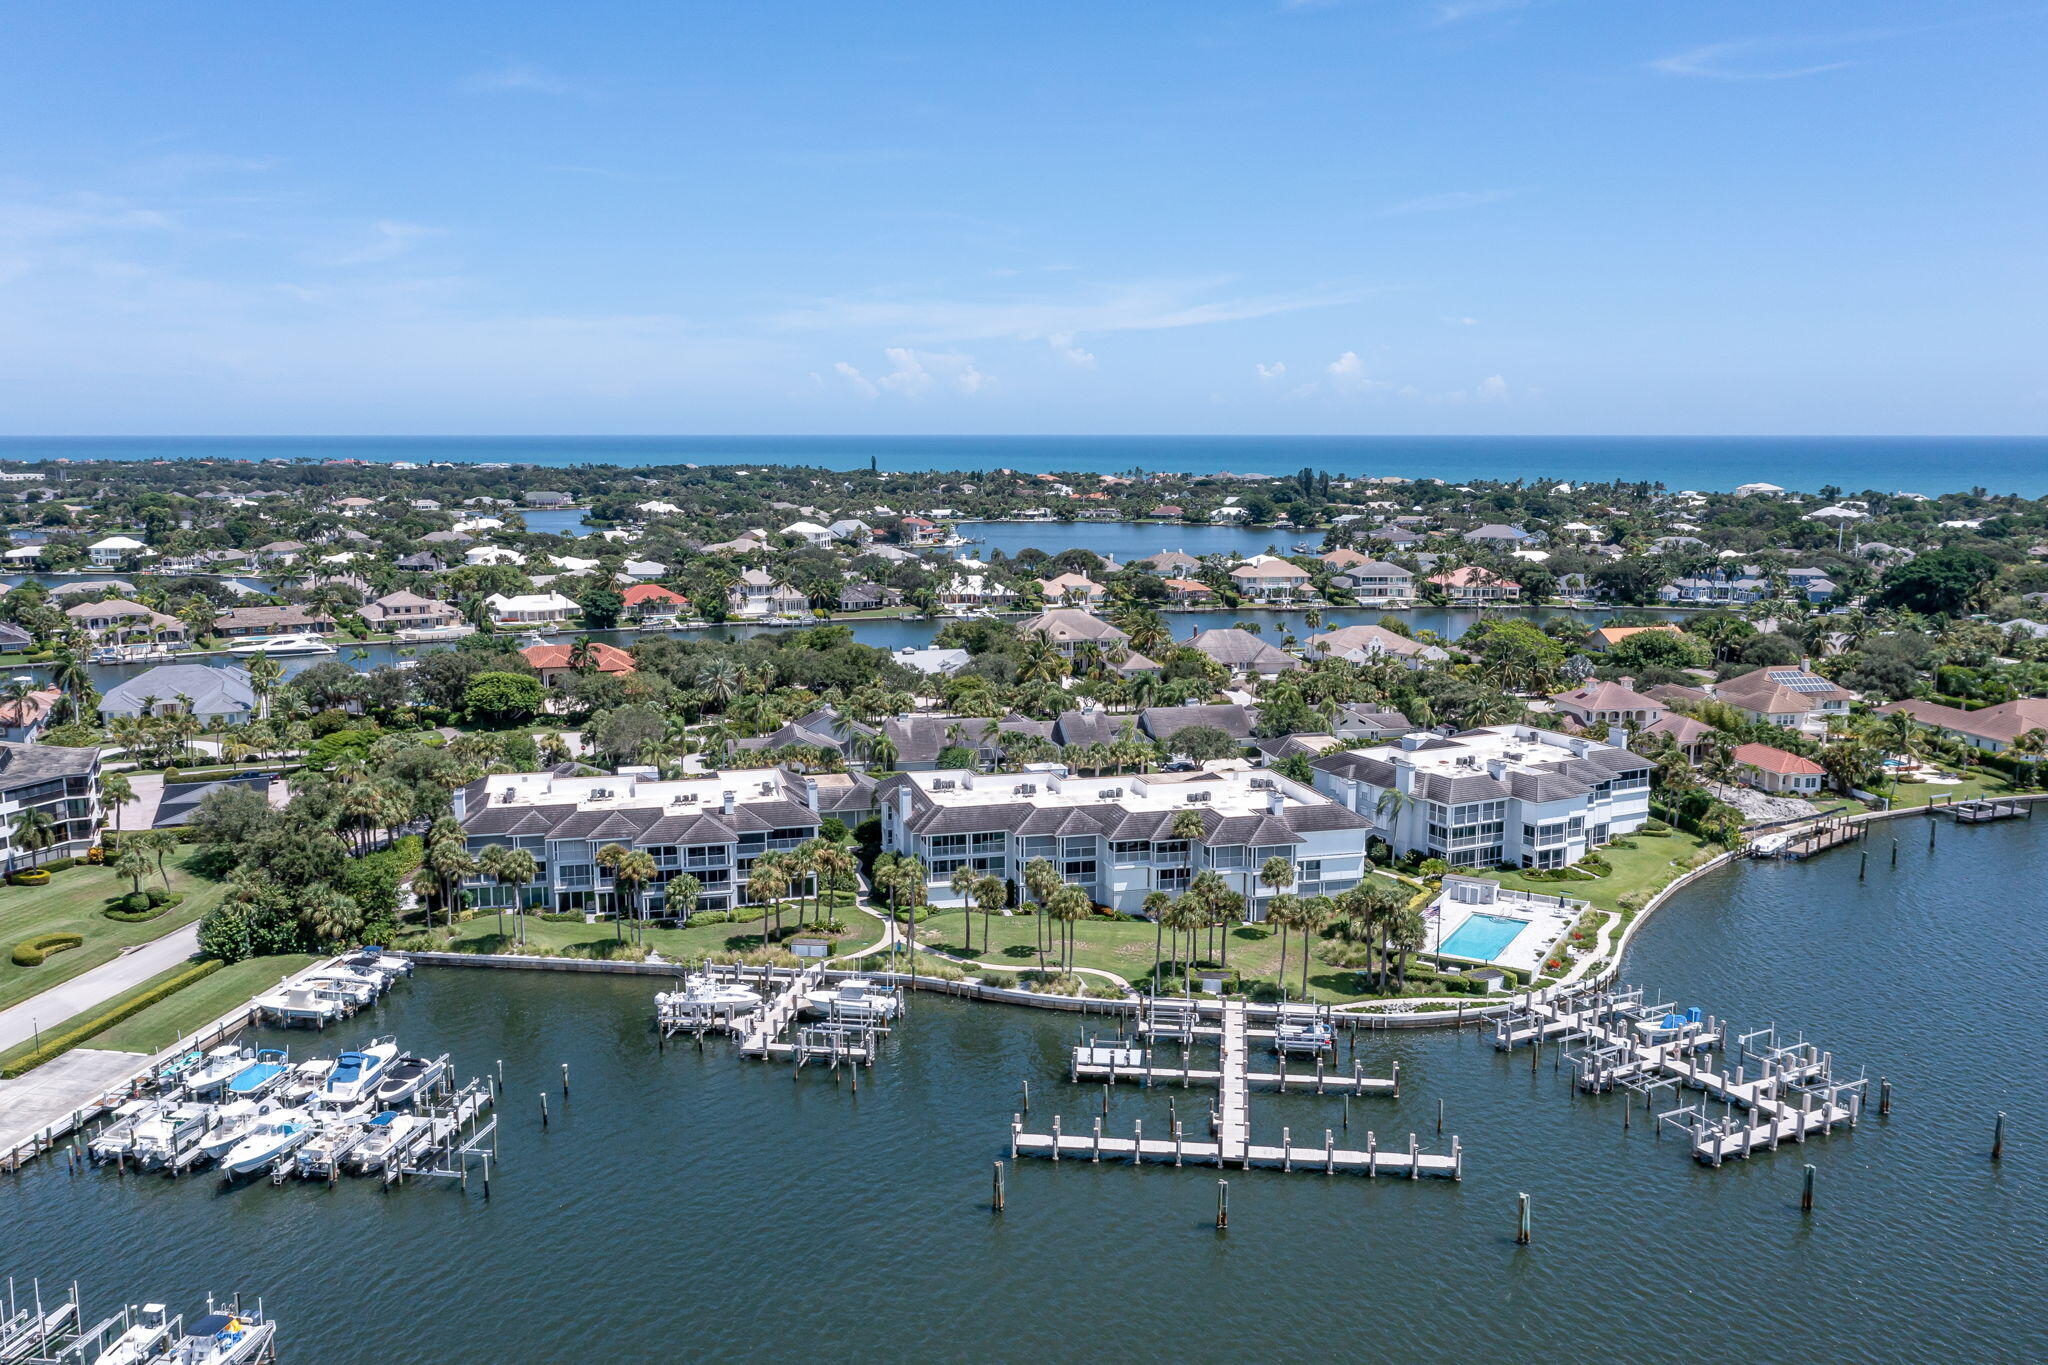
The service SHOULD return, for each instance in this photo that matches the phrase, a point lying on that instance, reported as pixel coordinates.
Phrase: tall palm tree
(264, 675)
(1188, 916)
(1283, 912)
(608, 858)
(768, 883)
(1314, 916)
(448, 859)
(991, 893)
(35, 831)
(1069, 905)
(1155, 906)
(1041, 879)
(1406, 932)
(132, 863)
(962, 881)
(116, 791)
(834, 865)
(630, 876)
(513, 867)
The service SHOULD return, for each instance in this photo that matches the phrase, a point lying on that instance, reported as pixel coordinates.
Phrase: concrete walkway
(102, 983)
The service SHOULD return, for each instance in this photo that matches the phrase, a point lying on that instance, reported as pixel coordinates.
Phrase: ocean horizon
(1885, 464)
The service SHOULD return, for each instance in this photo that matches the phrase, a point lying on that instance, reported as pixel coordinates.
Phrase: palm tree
(1406, 932)
(133, 864)
(768, 883)
(116, 791)
(1283, 912)
(682, 889)
(513, 867)
(962, 881)
(1314, 916)
(448, 859)
(991, 893)
(834, 866)
(1189, 916)
(1155, 906)
(608, 858)
(633, 872)
(1277, 873)
(35, 831)
(1041, 879)
(264, 675)
(1069, 905)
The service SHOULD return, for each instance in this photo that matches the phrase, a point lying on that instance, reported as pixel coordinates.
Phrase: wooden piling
(1027, 1097)
(565, 1079)
(1439, 1118)
(999, 1188)
(543, 1110)
(1884, 1098)
(1222, 1205)
(1998, 1137)
(1522, 1221)
(1806, 1192)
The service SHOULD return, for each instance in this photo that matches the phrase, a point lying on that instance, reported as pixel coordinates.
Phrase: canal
(690, 1204)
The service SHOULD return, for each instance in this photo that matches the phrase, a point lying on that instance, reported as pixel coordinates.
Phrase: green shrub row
(30, 952)
(57, 1044)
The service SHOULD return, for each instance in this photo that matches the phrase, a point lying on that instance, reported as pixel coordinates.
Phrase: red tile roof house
(1186, 592)
(553, 660)
(652, 602)
(1993, 728)
(1774, 770)
(1474, 584)
(1599, 704)
(918, 531)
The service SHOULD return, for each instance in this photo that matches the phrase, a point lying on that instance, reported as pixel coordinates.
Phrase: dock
(1828, 834)
(1230, 1142)
(1770, 1091)
(1983, 812)
(775, 1030)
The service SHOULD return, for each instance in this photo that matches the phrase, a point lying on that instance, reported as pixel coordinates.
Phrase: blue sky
(1381, 216)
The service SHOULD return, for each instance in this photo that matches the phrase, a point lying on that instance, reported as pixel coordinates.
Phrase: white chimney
(1275, 803)
(1496, 768)
(811, 792)
(725, 801)
(903, 803)
(1617, 735)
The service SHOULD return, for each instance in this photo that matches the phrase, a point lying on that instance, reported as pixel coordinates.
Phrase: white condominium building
(1119, 837)
(1505, 794)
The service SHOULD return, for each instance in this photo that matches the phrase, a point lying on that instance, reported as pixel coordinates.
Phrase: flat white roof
(1245, 792)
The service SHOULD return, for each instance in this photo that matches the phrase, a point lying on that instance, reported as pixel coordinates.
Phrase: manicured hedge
(138, 907)
(30, 952)
(35, 877)
(56, 1044)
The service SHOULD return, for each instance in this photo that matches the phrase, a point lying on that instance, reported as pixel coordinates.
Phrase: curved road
(53, 1006)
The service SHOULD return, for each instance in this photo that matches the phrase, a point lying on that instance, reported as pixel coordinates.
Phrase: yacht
(301, 1005)
(351, 990)
(405, 1079)
(377, 960)
(390, 1137)
(854, 998)
(232, 1122)
(265, 1073)
(275, 1135)
(702, 992)
(220, 1066)
(356, 1074)
(283, 646)
(230, 1338)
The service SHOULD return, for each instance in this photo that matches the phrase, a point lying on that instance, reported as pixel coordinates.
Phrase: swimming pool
(1482, 937)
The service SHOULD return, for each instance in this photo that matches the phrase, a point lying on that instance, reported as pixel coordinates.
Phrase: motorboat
(29, 1331)
(283, 646)
(220, 1066)
(322, 1153)
(224, 1339)
(421, 635)
(854, 998)
(301, 1005)
(232, 1122)
(304, 1081)
(174, 1071)
(351, 990)
(1302, 1033)
(165, 1137)
(275, 1135)
(389, 1138)
(377, 960)
(357, 1073)
(1670, 1026)
(265, 1073)
(533, 637)
(701, 992)
(405, 1078)
(117, 1137)
(144, 1338)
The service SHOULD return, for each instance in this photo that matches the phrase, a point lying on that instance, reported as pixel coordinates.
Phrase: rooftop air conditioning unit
(687, 798)
(1111, 793)
(1198, 796)
(1262, 784)
(1027, 789)
(601, 794)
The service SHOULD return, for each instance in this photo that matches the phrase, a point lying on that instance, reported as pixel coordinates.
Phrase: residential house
(122, 621)
(61, 783)
(116, 550)
(809, 532)
(918, 531)
(758, 593)
(1607, 637)
(1502, 794)
(919, 740)
(1795, 698)
(1361, 723)
(1376, 583)
(556, 663)
(477, 555)
(426, 561)
(1993, 729)
(403, 610)
(1115, 836)
(1243, 653)
(1071, 590)
(1473, 585)
(1189, 592)
(852, 530)
(531, 609)
(221, 695)
(1495, 536)
(1775, 771)
(1599, 705)
(652, 604)
(239, 622)
(710, 825)
(1691, 736)
(863, 595)
(1368, 644)
(547, 497)
(932, 661)
(1162, 723)
(1270, 580)
(1069, 629)
(23, 718)
(1171, 563)
(975, 591)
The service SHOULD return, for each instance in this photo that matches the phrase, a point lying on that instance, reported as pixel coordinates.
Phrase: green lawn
(198, 1005)
(71, 904)
(1978, 782)
(1648, 867)
(484, 935)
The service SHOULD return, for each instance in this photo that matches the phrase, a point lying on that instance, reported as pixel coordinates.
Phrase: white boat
(232, 1122)
(170, 1133)
(533, 637)
(377, 960)
(421, 635)
(265, 1072)
(276, 1135)
(322, 1153)
(344, 986)
(304, 1081)
(357, 1073)
(1669, 1026)
(144, 1339)
(283, 646)
(702, 992)
(230, 1338)
(390, 1137)
(854, 998)
(220, 1066)
(301, 1005)
(405, 1078)
(117, 1136)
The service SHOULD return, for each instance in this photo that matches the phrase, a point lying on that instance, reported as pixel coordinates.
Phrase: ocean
(1913, 464)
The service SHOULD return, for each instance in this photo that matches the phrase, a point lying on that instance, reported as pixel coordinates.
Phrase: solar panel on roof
(1799, 681)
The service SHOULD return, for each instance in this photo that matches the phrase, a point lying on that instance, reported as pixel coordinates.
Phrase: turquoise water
(1920, 464)
(1481, 937)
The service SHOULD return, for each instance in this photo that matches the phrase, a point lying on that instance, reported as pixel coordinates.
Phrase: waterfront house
(211, 695)
(710, 825)
(1270, 580)
(123, 622)
(1376, 583)
(1189, 592)
(1508, 794)
(652, 604)
(975, 591)
(1071, 590)
(1795, 698)
(1597, 704)
(1775, 771)
(1115, 836)
(240, 622)
(863, 595)
(404, 610)
(853, 530)
(918, 531)
(1473, 585)
(759, 593)
(531, 609)
(116, 550)
(548, 497)
(1993, 729)
(1068, 629)
(1368, 644)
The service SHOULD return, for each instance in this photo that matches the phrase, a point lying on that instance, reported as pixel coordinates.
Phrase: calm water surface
(687, 1204)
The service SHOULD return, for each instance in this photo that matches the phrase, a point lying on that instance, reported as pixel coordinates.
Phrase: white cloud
(515, 77)
(918, 373)
(1271, 372)
(386, 240)
(1457, 11)
(1063, 344)
(1747, 60)
(1493, 389)
(1441, 203)
(1346, 374)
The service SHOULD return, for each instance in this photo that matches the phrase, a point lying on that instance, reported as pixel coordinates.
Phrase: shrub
(56, 1044)
(58, 864)
(560, 916)
(1103, 990)
(939, 969)
(1004, 981)
(36, 877)
(157, 895)
(30, 952)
